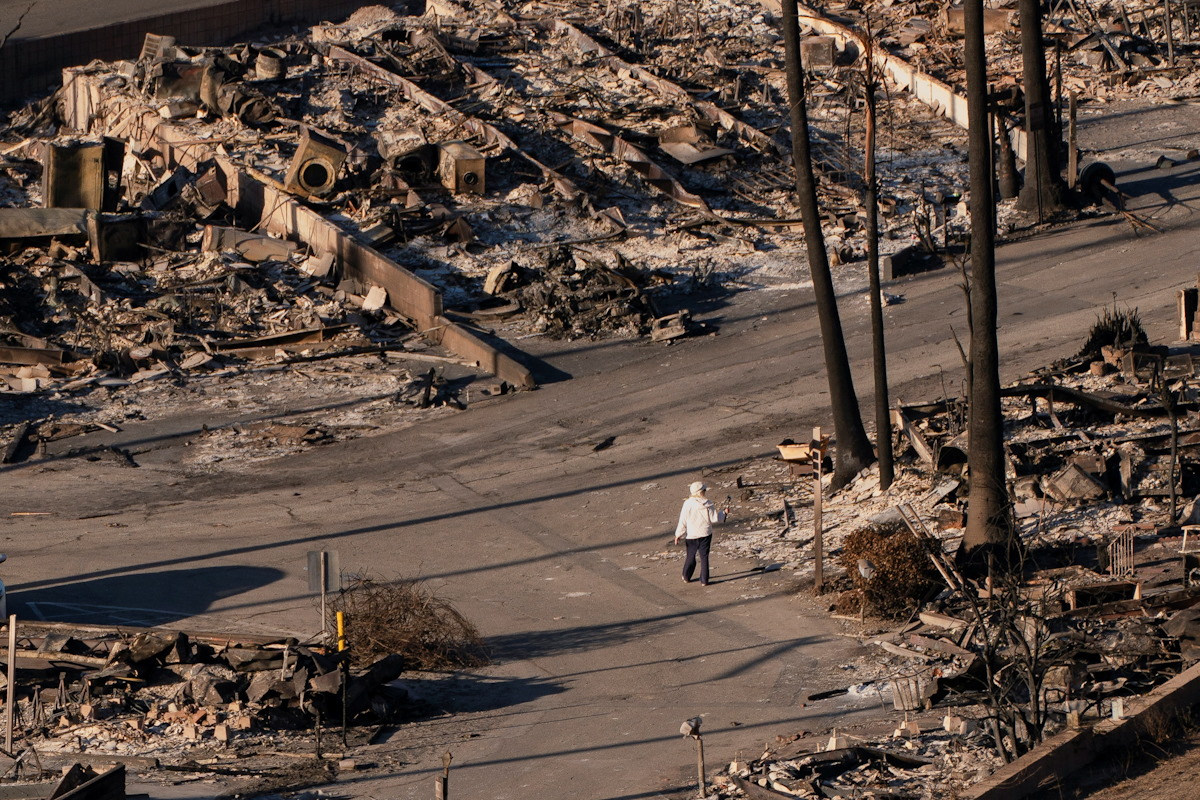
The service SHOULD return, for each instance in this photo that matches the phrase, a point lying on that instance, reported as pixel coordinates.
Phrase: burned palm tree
(854, 452)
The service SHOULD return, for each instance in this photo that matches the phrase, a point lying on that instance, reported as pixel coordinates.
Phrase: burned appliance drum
(314, 169)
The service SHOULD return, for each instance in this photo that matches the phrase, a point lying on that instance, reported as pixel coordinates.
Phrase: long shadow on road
(121, 599)
(401, 525)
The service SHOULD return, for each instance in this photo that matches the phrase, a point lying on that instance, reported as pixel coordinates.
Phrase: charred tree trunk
(988, 527)
(1167, 397)
(1042, 191)
(1010, 179)
(883, 419)
(854, 451)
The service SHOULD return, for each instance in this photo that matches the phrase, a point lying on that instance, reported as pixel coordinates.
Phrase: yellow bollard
(341, 630)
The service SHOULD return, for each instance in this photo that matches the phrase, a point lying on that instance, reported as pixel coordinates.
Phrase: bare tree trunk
(987, 520)
(1167, 398)
(854, 452)
(883, 419)
(1042, 191)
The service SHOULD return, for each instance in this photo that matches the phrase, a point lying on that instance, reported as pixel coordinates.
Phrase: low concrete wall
(31, 65)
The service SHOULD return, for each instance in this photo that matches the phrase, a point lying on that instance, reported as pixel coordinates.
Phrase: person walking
(696, 519)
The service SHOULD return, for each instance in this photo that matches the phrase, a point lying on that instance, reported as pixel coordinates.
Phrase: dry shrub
(903, 572)
(848, 603)
(404, 617)
(1121, 327)
(1160, 726)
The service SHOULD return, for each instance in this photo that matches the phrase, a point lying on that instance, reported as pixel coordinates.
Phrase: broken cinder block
(672, 326)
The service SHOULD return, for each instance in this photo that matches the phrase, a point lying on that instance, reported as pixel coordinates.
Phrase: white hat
(697, 487)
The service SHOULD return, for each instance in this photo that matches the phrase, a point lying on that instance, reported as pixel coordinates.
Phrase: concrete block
(1118, 708)
(909, 260)
(818, 53)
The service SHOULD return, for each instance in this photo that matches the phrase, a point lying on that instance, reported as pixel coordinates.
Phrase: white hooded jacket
(696, 518)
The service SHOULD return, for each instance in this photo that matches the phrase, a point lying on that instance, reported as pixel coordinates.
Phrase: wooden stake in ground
(441, 783)
(818, 459)
(12, 683)
(324, 584)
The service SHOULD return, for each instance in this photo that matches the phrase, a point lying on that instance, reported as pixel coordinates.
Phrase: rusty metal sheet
(21, 223)
(307, 336)
(691, 153)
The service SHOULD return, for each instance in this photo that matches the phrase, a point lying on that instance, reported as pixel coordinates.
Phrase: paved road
(601, 652)
(46, 17)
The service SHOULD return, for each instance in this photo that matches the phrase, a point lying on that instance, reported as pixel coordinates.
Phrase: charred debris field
(564, 170)
(363, 218)
(532, 181)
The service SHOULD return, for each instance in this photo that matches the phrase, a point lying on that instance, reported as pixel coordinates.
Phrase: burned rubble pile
(573, 296)
(146, 695)
(1102, 612)
(509, 160)
(362, 107)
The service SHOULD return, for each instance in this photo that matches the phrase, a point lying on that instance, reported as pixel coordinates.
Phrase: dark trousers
(697, 547)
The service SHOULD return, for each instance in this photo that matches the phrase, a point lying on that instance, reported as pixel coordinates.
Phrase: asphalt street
(45, 17)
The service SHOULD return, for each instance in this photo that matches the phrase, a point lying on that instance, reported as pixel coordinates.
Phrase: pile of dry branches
(890, 569)
(403, 617)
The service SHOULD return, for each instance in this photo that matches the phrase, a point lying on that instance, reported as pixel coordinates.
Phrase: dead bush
(1118, 327)
(901, 572)
(1161, 727)
(406, 618)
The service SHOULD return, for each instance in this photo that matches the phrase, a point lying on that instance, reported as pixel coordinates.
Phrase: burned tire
(1093, 177)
